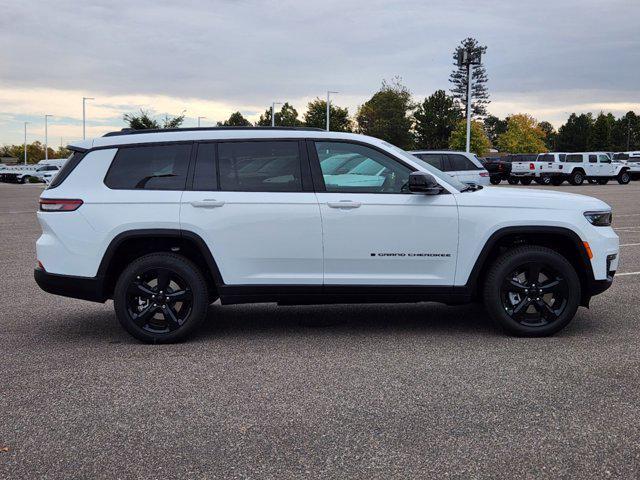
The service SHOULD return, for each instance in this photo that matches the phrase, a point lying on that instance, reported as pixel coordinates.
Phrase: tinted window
(375, 172)
(204, 177)
(71, 163)
(593, 159)
(574, 158)
(154, 167)
(621, 156)
(545, 157)
(460, 162)
(433, 159)
(562, 157)
(604, 159)
(260, 166)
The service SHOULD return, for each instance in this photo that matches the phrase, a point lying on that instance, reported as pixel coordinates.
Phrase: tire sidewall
(624, 178)
(182, 267)
(577, 178)
(507, 264)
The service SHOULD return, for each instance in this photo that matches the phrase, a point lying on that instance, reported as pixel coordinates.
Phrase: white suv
(166, 222)
(462, 166)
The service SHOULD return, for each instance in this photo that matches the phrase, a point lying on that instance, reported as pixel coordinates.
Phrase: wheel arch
(131, 244)
(563, 240)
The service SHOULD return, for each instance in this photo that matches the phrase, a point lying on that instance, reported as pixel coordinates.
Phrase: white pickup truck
(575, 168)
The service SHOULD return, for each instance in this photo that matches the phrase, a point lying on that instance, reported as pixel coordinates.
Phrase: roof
(211, 133)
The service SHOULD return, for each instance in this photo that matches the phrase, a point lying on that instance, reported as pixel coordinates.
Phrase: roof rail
(131, 131)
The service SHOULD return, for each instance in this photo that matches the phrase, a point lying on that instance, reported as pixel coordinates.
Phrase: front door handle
(207, 203)
(344, 204)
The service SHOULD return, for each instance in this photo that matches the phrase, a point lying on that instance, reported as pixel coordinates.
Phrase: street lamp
(199, 121)
(468, 58)
(46, 137)
(84, 115)
(273, 113)
(25, 142)
(329, 92)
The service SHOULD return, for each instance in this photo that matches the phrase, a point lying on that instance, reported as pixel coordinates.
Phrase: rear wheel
(526, 180)
(532, 291)
(495, 180)
(624, 177)
(512, 181)
(576, 178)
(161, 298)
(543, 180)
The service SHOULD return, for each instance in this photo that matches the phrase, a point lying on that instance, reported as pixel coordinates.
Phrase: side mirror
(421, 182)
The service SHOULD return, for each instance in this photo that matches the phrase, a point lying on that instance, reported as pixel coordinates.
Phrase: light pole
(25, 142)
(84, 116)
(329, 92)
(468, 58)
(199, 118)
(46, 137)
(273, 113)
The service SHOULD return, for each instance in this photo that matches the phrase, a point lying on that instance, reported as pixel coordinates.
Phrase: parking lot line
(627, 273)
(628, 215)
(626, 229)
(629, 244)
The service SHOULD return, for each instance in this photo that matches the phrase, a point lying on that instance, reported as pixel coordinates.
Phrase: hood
(530, 198)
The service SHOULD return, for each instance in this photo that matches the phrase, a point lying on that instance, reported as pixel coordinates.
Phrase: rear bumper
(84, 288)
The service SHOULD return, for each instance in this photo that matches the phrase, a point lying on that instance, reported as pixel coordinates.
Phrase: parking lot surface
(377, 391)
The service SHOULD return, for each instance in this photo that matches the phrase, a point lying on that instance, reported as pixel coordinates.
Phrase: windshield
(429, 168)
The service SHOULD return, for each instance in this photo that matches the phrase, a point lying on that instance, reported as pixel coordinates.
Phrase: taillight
(59, 204)
(484, 174)
(532, 166)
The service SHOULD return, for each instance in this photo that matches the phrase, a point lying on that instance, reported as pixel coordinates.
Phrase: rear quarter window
(71, 163)
(461, 163)
(149, 167)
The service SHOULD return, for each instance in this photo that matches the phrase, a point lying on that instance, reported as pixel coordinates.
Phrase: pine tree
(436, 118)
(479, 92)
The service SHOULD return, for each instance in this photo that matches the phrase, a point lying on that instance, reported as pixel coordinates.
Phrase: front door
(374, 231)
(253, 204)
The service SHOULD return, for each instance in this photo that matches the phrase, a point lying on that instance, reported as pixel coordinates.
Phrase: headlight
(599, 219)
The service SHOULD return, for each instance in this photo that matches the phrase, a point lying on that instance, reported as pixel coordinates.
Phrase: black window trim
(71, 164)
(316, 171)
(117, 148)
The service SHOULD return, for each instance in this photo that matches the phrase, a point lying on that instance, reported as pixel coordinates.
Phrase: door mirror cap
(421, 182)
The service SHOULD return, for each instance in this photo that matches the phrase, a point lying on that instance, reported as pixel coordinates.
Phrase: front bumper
(84, 288)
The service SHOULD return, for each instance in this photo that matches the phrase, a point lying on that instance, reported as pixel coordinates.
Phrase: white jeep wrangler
(166, 222)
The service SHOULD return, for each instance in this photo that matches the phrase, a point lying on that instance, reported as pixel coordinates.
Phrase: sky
(211, 58)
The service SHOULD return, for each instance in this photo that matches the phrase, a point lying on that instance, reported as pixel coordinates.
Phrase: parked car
(537, 168)
(166, 222)
(498, 169)
(597, 166)
(17, 173)
(462, 166)
(631, 160)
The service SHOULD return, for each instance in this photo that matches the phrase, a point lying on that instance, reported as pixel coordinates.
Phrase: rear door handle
(344, 204)
(207, 203)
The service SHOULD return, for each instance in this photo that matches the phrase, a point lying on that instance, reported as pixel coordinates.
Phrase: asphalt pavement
(377, 391)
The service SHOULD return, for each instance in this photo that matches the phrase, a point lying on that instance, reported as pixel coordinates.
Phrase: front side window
(604, 159)
(461, 163)
(259, 166)
(373, 172)
(153, 167)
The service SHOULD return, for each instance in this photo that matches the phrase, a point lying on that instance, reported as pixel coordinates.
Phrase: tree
(625, 133)
(494, 127)
(479, 92)
(573, 136)
(523, 135)
(235, 120)
(479, 143)
(550, 133)
(435, 119)
(600, 132)
(316, 116)
(387, 114)
(144, 121)
(286, 117)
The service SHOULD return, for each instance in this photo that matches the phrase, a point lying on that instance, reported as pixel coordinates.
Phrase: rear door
(377, 233)
(253, 204)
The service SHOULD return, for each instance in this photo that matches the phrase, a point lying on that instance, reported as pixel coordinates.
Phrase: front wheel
(512, 181)
(161, 298)
(576, 178)
(624, 178)
(532, 291)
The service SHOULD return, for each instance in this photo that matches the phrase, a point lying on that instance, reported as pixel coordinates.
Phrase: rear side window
(545, 157)
(574, 158)
(71, 163)
(593, 159)
(153, 167)
(433, 159)
(461, 163)
(260, 166)
(562, 157)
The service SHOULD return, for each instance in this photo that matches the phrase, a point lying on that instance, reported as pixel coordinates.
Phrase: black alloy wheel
(161, 298)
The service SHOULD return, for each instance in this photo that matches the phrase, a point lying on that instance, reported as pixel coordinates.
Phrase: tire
(508, 295)
(164, 315)
(512, 181)
(24, 179)
(602, 181)
(623, 177)
(495, 180)
(576, 177)
(526, 180)
(557, 181)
